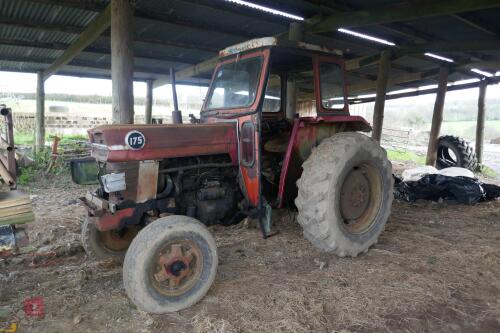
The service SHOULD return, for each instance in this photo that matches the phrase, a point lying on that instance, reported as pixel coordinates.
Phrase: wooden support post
(11, 153)
(148, 116)
(296, 32)
(481, 115)
(122, 61)
(437, 116)
(6, 176)
(40, 114)
(382, 79)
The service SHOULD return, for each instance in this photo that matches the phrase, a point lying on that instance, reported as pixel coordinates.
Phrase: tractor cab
(281, 80)
(285, 98)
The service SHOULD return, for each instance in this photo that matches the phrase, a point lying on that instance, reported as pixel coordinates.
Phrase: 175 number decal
(135, 140)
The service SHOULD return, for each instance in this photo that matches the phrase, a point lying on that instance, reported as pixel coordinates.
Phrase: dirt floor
(436, 268)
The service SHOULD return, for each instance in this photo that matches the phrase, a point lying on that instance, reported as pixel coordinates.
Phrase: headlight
(114, 182)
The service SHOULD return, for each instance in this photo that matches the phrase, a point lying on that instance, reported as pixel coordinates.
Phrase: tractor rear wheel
(106, 244)
(170, 265)
(345, 194)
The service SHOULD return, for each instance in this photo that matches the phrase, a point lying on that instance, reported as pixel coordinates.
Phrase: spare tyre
(454, 151)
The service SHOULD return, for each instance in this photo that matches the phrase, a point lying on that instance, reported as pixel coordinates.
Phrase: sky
(26, 83)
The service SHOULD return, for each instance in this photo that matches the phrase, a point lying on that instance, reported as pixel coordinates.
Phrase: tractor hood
(121, 143)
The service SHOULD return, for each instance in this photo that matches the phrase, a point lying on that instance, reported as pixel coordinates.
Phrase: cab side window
(272, 98)
(303, 83)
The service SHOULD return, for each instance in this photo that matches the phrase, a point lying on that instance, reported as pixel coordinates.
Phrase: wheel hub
(177, 268)
(115, 240)
(360, 197)
(355, 195)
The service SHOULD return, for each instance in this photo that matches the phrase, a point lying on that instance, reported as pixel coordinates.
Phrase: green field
(405, 156)
(26, 139)
(467, 129)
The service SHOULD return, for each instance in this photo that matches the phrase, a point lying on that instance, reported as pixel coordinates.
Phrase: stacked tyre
(454, 151)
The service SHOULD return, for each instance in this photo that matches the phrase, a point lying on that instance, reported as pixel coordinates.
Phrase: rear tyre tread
(319, 227)
(466, 154)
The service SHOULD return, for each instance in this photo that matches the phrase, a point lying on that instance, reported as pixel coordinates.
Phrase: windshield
(235, 84)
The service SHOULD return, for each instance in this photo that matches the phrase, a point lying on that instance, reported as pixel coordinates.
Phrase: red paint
(34, 307)
(359, 123)
(110, 221)
(162, 141)
(250, 174)
(221, 134)
(304, 136)
(286, 161)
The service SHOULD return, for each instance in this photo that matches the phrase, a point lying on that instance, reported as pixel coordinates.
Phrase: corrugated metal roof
(54, 14)
(177, 33)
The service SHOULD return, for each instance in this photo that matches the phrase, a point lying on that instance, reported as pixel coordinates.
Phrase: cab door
(235, 95)
(249, 124)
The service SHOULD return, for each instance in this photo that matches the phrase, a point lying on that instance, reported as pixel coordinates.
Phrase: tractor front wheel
(345, 194)
(106, 244)
(170, 265)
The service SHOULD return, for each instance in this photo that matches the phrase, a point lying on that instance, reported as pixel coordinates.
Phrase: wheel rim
(177, 267)
(447, 156)
(361, 197)
(118, 240)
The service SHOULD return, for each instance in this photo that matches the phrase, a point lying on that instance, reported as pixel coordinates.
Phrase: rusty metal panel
(162, 141)
(147, 181)
(131, 176)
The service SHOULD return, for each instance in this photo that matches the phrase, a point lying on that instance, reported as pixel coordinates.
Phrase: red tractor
(274, 131)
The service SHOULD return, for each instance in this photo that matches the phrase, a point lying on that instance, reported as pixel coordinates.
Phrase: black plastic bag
(433, 187)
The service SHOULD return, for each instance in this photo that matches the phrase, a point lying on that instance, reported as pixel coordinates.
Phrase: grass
(39, 168)
(397, 155)
(26, 139)
(488, 172)
(23, 138)
(467, 129)
(406, 156)
(41, 161)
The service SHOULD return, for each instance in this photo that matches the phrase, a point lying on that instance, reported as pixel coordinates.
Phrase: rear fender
(307, 133)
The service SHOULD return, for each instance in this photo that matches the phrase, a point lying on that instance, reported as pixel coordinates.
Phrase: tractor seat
(277, 144)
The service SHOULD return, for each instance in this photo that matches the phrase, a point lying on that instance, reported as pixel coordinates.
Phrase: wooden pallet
(15, 208)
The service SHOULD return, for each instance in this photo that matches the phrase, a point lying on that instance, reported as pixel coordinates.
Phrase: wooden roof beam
(153, 16)
(476, 23)
(93, 49)
(202, 68)
(399, 12)
(83, 63)
(409, 77)
(474, 45)
(87, 37)
(355, 88)
(494, 80)
(41, 26)
(70, 29)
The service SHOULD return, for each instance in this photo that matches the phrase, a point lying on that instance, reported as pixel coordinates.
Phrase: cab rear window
(332, 86)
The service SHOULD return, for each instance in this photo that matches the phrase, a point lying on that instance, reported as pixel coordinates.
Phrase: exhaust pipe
(176, 114)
